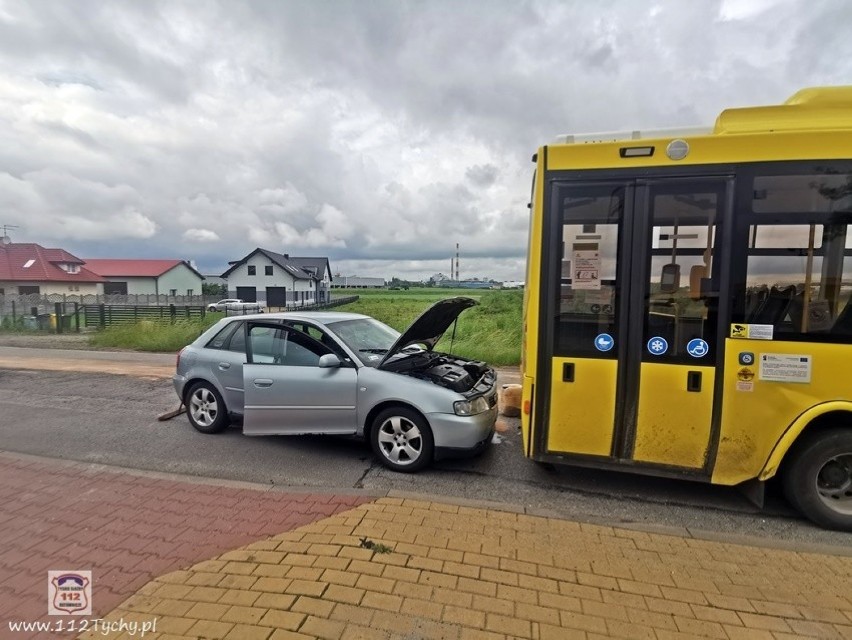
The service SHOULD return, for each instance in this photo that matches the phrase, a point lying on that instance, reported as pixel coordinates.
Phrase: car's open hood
(430, 326)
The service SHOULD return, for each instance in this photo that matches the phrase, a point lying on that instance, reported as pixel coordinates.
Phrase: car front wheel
(818, 480)
(402, 439)
(206, 409)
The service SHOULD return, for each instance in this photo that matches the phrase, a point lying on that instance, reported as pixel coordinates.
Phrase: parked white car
(235, 304)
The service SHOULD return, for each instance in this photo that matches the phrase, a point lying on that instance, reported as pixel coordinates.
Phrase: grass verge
(490, 331)
(152, 336)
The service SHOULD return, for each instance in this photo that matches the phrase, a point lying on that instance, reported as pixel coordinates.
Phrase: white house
(162, 277)
(278, 279)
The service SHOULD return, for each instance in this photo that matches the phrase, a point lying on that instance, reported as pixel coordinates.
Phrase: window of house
(252, 270)
(172, 292)
(28, 290)
(189, 292)
(268, 269)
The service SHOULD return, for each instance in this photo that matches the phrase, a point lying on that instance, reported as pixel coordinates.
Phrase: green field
(490, 331)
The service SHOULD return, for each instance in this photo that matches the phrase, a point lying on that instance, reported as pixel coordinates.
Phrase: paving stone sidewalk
(400, 568)
(127, 528)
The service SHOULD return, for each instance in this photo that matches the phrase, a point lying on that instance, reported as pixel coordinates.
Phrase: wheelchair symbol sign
(697, 348)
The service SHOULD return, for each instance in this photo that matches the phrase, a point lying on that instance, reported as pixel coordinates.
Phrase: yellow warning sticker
(745, 374)
(752, 331)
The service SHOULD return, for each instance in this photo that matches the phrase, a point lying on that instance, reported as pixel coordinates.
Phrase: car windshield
(367, 337)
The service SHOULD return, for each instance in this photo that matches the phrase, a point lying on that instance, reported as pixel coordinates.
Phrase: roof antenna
(5, 239)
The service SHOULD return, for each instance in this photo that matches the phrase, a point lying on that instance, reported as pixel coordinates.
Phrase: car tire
(818, 479)
(402, 440)
(205, 408)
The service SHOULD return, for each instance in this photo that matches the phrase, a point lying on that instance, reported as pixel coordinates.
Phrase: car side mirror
(329, 361)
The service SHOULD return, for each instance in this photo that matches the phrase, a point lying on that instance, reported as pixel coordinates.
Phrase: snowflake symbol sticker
(658, 346)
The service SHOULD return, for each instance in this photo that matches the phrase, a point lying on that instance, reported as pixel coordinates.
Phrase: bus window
(799, 268)
(682, 309)
(589, 249)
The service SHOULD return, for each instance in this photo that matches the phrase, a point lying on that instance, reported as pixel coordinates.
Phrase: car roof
(319, 317)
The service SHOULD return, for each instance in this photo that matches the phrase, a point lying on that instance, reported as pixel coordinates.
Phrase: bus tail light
(527, 407)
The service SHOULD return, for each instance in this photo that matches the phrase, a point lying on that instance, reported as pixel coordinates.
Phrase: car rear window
(220, 340)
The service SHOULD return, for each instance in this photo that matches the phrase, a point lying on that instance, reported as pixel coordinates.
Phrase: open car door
(295, 384)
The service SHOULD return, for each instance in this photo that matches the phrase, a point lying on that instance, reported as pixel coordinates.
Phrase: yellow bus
(686, 311)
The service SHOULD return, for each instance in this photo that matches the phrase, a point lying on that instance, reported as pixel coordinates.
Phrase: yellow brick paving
(457, 572)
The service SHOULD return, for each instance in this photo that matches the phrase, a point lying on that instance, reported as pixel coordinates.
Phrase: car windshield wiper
(373, 350)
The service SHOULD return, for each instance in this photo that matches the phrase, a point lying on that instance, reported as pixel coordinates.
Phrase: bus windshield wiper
(372, 350)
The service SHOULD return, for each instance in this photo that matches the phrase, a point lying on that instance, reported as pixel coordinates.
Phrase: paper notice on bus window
(586, 267)
(784, 367)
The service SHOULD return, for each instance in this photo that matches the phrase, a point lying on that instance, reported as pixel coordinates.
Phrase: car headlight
(470, 407)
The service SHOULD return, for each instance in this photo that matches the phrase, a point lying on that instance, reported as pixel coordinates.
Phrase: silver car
(235, 304)
(342, 373)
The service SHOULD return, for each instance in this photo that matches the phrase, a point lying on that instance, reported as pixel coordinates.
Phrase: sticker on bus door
(784, 367)
(752, 331)
(586, 266)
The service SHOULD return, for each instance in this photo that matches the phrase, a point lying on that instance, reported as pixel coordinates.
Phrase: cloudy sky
(376, 132)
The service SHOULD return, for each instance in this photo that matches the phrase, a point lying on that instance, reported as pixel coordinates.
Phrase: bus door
(636, 306)
(675, 330)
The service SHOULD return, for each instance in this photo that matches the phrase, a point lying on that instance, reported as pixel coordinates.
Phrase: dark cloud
(379, 133)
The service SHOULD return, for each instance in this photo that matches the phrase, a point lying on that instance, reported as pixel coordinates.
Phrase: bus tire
(818, 480)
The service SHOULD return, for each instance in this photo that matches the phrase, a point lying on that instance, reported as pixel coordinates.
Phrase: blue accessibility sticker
(697, 348)
(658, 346)
(604, 342)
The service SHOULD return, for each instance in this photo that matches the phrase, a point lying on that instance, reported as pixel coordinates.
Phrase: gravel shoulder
(46, 340)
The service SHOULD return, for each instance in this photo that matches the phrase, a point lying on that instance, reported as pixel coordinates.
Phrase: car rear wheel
(818, 480)
(402, 439)
(206, 409)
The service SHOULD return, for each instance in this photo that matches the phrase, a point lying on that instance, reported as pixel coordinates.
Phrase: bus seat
(797, 307)
(697, 273)
(775, 308)
(843, 324)
(755, 299)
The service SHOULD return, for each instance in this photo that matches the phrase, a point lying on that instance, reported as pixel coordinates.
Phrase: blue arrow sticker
(604, 342)
(658, 346)
(697, 348)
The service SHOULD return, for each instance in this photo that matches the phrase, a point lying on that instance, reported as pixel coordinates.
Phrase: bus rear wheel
(818, 480)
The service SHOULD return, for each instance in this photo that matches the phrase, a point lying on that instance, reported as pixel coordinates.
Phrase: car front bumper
(461, 434)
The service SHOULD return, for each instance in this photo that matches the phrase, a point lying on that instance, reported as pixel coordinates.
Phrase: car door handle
(263, 382)
(224, 366)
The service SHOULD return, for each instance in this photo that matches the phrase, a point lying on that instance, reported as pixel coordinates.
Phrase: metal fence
(60, 313)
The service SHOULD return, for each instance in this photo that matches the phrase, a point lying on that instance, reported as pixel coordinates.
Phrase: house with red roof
(28, 268)
(160, 277)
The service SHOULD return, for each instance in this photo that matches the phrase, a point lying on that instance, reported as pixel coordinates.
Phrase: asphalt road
(111, 419)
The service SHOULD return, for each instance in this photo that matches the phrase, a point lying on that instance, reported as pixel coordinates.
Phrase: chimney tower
(457, 262)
